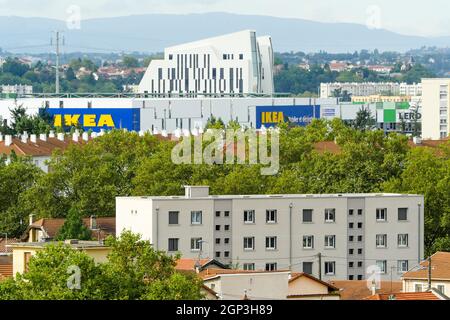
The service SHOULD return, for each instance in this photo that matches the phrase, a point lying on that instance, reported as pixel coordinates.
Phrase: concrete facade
(435, 106)
(274, 232)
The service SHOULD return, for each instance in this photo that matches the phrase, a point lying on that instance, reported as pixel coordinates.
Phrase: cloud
(404, 16)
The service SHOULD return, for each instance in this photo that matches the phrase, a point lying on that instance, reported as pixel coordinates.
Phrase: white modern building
(359, 88)
(235, 63)
(329, 236)
(435, 106)
(412, 90)
(16, 89)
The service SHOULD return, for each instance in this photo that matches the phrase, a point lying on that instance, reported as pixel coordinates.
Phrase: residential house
(417, 279)
(303, 286)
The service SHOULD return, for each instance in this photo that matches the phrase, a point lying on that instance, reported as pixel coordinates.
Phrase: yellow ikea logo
(87, 120)
(272, 117)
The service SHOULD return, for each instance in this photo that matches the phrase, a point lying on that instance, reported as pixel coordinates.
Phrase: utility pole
(429, 273)
(319, 255)
(57, 51)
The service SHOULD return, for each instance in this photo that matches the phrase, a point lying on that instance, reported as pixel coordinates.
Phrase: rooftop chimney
(33, 138)
(43, 137)
(8, 140)
(31, 216)
(85, 136)
(61, 136)
(24, 137)
(1, 137)
(51, 134)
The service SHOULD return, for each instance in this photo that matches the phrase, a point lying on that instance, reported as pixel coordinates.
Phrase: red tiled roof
(40, 148)
(189, 264)
(296, 276)
(405, 296)
(357, 290)
(106, 225)
(440, 268)
(327, 146)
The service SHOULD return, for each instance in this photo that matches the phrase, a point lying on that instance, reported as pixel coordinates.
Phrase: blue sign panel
(296, 115)
(97, 119)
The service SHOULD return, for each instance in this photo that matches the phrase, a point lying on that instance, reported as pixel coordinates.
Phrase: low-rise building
(420, 278)
(415, 296)
(22, 252)
(358, 290)
(336, 236)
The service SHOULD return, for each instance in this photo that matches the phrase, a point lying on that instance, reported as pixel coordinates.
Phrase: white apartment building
(16, 89)
(234, 63)
(412, 90)
(359, 88)
(435, 108)
(329, 236)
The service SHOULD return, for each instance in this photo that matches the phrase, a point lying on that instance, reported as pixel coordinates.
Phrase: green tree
(73, 227)
(364, 120)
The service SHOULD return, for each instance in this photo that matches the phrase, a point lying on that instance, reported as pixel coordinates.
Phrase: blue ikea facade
(300, 115)
(96, 119)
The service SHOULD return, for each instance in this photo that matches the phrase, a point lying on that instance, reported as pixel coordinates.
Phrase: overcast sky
(413, 17)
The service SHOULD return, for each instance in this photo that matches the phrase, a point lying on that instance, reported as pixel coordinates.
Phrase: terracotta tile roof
(440, 268)
(106, 225)
(189, 264)
(40, 148)
(405, 296)
(6, 271)
(211, 273)
(327, 146)
(296, 276)
(357, 290)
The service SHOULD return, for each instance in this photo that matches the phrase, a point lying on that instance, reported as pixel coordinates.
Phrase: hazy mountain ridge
(154, 32)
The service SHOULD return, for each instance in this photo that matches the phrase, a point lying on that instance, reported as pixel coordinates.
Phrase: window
(360, 251)
(351, 238)
(170, 56)
(227, 254)
(360, 225)
(360, 264)
(249, 243)
(351, 264)
(173, 217)
(196, 244)
(382, 264)
(271, 243)
(241, 56)
(351, 251)
(402, 214)
(61, 104)
(218, 241)
(218, 228)
(271, 216)
(403, 240)
(360, 212)
(227, 214)
(330, 268)
(351, 277)
(351, 225)
(307, 215)
(218, 214)
(308, 267)
(173, 245)
(330, 242)
(227, 227)
(249, 266)
(227, 240)
(271, 267)
(26, 260)
(360, 277)
(308, 242)
(402, 265)
(381, 240)
(218, 254)
(441, 288)
(360, 238)
(249, 216)
(196, 217)
(381, 215)
(330, 215)
(350, 212)
(418, 287)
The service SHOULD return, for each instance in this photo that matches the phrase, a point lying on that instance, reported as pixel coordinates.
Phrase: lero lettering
(86, 120)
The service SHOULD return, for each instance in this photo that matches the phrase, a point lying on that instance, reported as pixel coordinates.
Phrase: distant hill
(154, 32)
